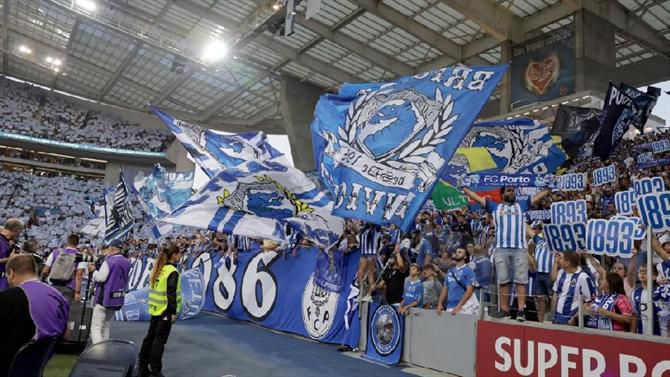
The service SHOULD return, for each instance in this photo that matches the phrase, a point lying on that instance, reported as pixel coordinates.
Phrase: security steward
(164, 306)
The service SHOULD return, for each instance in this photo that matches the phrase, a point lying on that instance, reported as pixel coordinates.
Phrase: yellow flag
(478, 158)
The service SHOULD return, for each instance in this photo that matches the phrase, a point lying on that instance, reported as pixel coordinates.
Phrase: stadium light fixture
(57, 62)
(50, 60)
(25, 50)
(87, 5)
(214, 51)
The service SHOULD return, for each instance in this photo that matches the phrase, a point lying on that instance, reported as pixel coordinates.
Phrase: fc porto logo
(318, 309)
(385, 330)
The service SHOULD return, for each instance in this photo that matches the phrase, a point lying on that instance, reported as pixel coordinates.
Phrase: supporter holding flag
(111, 281)
(63, 271)
(393, 278)
(30, 310)
(612, 309)
(458, 290)
(8, 234)
(572, 284)
(413, 291)
(510, 257)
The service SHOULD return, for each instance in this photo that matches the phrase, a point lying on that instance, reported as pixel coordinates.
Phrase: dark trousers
(153, 345)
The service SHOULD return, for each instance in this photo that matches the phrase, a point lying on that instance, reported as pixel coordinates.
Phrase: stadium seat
(110, 358)
(32, 358)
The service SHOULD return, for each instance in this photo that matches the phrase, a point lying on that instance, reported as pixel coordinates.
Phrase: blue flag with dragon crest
(380, 147)
(213, 151)
(260, 199)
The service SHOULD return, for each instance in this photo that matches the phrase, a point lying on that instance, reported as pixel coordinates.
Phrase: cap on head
(116, 243)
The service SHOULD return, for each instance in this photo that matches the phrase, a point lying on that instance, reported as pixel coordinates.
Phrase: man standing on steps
(511, 261)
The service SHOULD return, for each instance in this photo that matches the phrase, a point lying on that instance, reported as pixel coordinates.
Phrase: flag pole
(649, 325)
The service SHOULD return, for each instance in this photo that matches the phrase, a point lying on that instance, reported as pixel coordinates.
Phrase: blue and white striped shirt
(543, 257)
(369, 240)
(509, 223)
(570, 287)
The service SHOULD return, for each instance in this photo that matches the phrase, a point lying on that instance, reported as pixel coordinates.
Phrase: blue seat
(32, 358)
(109, 358)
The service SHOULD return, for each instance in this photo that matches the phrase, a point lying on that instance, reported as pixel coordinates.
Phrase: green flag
(447, 197)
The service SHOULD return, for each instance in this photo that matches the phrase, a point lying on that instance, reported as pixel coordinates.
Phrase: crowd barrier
(273, 290)
(278, 292)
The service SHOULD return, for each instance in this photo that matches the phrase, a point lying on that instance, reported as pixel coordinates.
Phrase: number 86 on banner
(655, 210)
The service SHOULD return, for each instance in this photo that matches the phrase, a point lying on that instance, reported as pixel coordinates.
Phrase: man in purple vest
(30, 309)
(8, 234)
(72, 288)
(111, 282)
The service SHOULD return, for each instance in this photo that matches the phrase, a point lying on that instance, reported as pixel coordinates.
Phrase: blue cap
(116, 243)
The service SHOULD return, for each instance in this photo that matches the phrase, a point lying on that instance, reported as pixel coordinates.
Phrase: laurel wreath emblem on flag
(434, 121)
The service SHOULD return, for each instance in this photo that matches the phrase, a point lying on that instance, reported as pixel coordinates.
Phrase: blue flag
(120, 220)
(379, 147)
(259, 200)
(518, 146)
(162, 191)
(619, 113)
(213, 151)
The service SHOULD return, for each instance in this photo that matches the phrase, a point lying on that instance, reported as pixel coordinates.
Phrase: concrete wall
(298, 100)
(595, 52)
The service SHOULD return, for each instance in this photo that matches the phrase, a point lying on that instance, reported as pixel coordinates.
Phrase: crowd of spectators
(30, 111)
(451, 261)
(50, 206)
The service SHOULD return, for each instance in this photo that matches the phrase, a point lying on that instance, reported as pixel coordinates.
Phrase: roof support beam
(263, 114)
(75, 27)
(5, 35)
(119, 71)
(306, 60)
(423, 33)
(359, 48)
(494, 19)
(217, 106)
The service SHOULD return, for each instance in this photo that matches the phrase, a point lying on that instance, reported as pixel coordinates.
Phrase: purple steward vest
(114, 288)
(48, 309)
(68, 250)
(4, 253)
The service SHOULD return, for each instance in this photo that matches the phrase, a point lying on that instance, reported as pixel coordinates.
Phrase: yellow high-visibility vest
(158, 301)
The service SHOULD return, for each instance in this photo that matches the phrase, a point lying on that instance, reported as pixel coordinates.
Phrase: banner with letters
(619, 113)
(385, 334)
(573, 211)
(654, 210)
(651, 164)
(569, 182)
(381, 147)
(271, 290)
(660, 146)
(564, 351)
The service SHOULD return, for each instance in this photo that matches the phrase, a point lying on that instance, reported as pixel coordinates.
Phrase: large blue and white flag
(258, 200)
(518, 146)
(162, 192)
(213, 151)
(380, 147)
(120, 219)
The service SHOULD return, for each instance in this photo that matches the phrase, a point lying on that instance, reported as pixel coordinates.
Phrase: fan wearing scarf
(612, 309)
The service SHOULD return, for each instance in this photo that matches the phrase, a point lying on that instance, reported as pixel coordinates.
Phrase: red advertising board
(517, 350)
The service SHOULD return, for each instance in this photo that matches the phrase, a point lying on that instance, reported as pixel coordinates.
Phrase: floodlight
(214, 51)
(87, 5)
(57, 62)
(50, 59)
(25, 49)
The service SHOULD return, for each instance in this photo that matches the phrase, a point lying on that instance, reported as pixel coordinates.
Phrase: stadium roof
(131, 52)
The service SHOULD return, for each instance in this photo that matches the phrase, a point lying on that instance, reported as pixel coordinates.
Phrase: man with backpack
(111, 281)
(63, 270)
